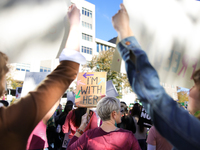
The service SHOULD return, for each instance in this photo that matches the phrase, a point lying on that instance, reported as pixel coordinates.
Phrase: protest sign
(110, 89)
(145, 119)
(32, 79)
(91, 87)
(33, 29)
(71, 96)
(172, 46)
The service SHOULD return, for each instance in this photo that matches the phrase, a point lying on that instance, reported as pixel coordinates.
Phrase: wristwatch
(79, 131)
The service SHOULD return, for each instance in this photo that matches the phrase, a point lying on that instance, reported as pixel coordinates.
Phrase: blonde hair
(3, 70)
(106, 106)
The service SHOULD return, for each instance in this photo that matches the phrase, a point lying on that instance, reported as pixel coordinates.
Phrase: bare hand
(73, 15)
(120, 22)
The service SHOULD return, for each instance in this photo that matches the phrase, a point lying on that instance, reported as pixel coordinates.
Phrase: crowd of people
(30, 123)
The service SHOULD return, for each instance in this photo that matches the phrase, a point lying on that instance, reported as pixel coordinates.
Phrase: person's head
(108, 108)
(77, 115)
(68, 106)
(194, 94)
(124, 109)
(3, 70)
(136, 110)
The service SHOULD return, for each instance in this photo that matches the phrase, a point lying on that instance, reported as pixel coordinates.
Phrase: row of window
(167, 85)
(45, 69)
(86, 50)
(23, 67)
(86, 37)
(101, 47)
(86, 12)
(87, 25)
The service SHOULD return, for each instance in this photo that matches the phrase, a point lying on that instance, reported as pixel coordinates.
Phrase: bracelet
(79, 131)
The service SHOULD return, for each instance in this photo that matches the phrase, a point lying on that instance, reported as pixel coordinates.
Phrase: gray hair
(106, 106)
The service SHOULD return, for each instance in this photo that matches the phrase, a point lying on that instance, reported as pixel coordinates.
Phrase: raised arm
(22, 117)
(173, 122)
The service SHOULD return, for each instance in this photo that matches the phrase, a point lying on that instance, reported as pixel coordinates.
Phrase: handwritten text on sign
(91, 87)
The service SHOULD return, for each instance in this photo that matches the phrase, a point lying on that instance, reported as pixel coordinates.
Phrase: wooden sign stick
(88, 113)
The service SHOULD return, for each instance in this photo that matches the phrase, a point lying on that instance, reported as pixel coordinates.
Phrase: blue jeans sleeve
(174, 123)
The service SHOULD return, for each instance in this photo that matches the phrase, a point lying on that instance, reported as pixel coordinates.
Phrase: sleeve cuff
(129, 42)
(72, 55)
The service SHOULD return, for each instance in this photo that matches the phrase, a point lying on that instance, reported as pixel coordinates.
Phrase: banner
(145, 119)
(71, 96)
(33, 29)
(91, 87)
(167, 32)
(110, 89)
(31, 81)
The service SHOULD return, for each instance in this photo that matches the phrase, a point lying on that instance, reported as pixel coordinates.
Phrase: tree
(182, 96)
(10, 81)
(102, 63)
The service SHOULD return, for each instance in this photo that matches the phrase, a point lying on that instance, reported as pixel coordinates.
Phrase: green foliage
(10, 81)
(102, 63)
(14, 84)
(182, 96)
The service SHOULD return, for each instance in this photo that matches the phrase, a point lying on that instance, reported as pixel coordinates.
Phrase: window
(87, 25)
(97, 47)
(83, 10)
(45, 69)
(105, 47)
(82, 49)
(23, 67)
(86, 37)
(101, 47)
(90, 14)
(87, 12)
(86, 50)
(90, 38)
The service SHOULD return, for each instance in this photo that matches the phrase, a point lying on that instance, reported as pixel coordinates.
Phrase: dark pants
(143, 144)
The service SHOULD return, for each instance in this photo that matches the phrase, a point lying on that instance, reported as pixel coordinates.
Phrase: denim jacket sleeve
(180, 128)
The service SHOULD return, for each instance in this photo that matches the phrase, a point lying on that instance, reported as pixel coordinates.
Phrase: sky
(104, 12)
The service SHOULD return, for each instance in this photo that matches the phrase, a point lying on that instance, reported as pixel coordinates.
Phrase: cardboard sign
(31, 81)
(33, 29)
(172, 46)
(110, 89)
(91, 87)
(145, 119)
